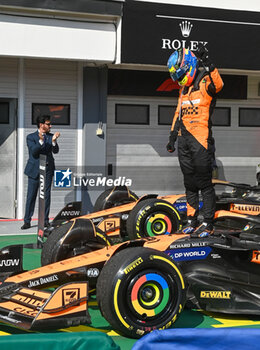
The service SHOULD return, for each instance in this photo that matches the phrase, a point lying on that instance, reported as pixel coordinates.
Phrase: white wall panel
(50, 38)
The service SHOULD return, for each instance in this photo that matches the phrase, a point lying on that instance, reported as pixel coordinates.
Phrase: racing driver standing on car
(192, 125)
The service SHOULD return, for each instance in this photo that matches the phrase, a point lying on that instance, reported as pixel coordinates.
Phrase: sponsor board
(189, 254)
(245, 209)
(11, 258)
(70, 213)
(170, 27)
(9, 262)
(43, 280)
(212, 294)
(188, 245)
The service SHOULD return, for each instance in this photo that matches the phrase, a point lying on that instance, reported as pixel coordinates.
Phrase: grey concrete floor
(13, 227)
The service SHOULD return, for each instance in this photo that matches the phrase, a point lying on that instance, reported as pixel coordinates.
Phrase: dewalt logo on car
(215, 294)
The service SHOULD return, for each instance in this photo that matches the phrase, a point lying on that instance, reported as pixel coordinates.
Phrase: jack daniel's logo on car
(43, 280)
(175, 43)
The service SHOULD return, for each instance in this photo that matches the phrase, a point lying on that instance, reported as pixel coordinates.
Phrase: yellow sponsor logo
(215, 294)
(245, 208)
(133, 265)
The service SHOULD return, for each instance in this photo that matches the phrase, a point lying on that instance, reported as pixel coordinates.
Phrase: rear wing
(33, 309)
(233, 184)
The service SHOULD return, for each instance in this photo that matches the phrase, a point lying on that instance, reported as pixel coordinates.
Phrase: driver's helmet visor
(178, 74)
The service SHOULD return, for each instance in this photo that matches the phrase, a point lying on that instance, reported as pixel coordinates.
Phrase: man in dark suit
(39, 142)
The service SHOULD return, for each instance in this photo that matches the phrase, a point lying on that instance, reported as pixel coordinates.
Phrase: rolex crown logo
(185, 28)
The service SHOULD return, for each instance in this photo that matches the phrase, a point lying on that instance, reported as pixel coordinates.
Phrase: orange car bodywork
(128, 207)
(89, 259)
(27, 307)
(110, 220)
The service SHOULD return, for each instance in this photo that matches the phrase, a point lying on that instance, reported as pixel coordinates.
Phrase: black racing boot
(190, 227)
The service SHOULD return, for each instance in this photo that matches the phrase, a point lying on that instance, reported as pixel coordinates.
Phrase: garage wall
(8, 93)
(8, 77)
(139, 151)
(53, 81)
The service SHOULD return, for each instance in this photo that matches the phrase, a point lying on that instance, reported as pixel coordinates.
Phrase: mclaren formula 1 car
(120, 215)
(243, 199)
(141, 285)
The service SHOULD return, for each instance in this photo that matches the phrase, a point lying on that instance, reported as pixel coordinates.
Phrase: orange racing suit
(192, 124)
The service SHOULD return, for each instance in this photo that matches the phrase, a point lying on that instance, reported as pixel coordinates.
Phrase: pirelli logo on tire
(212, 294)
(143, 212)
(133, 265)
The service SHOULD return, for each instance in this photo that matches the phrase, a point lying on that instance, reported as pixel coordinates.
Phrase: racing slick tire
(70, 239)
(152, 217)
(104, 201)
(139, 290)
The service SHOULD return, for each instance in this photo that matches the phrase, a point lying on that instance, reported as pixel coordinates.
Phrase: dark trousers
(196, 165)
(33, 186)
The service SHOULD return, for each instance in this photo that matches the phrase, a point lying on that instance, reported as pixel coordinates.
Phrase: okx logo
(62, 178)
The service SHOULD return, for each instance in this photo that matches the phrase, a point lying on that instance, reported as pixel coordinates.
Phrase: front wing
(34, 309)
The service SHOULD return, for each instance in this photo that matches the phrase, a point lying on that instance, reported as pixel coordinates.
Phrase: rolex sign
(152, 31)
